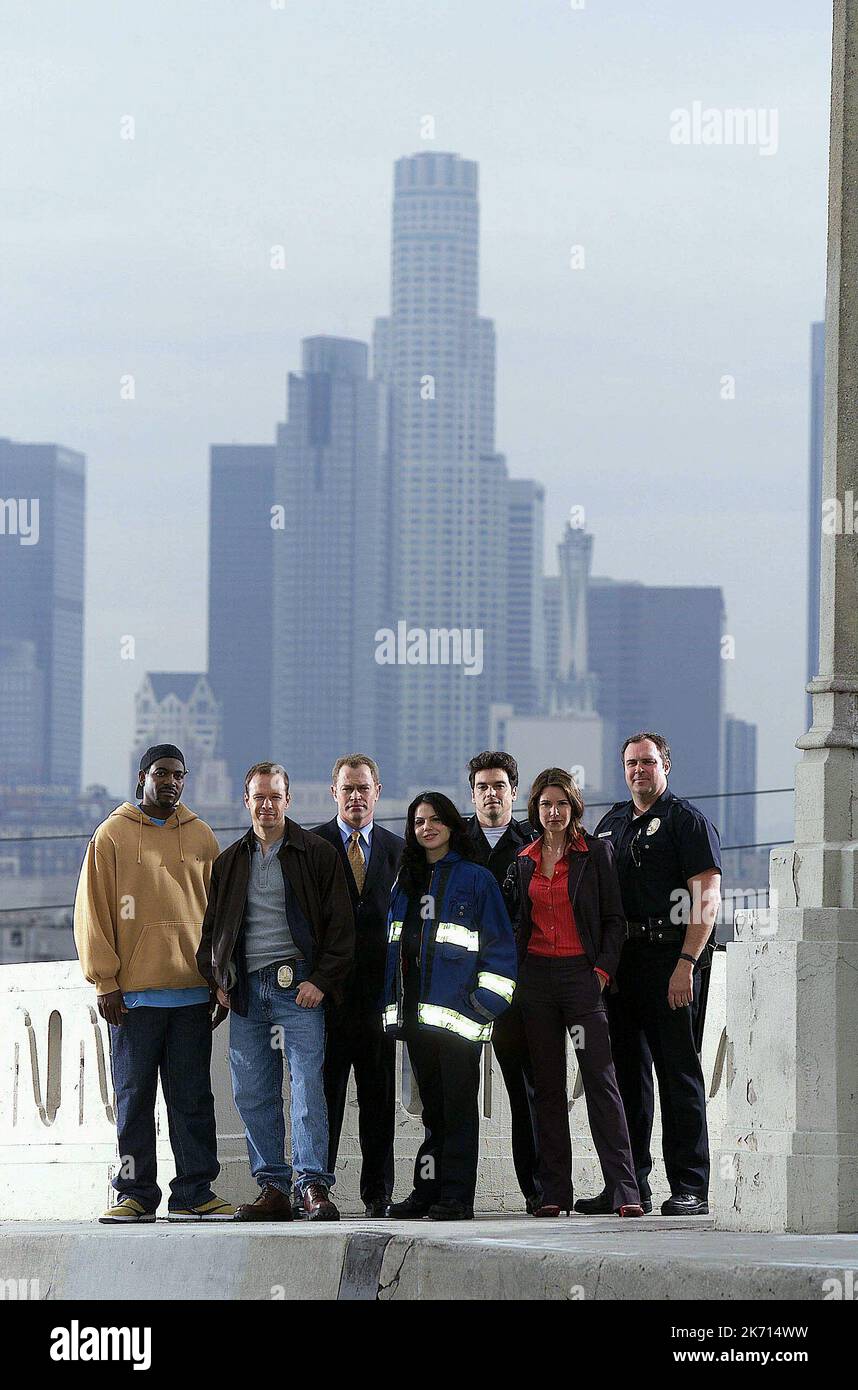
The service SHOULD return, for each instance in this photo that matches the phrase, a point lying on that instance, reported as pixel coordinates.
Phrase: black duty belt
(656, 930)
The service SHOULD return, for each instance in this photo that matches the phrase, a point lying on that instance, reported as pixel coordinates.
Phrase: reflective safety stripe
(390, 1015)
(498, 984)
(454, 1022)
(395, 931)
(455, 935)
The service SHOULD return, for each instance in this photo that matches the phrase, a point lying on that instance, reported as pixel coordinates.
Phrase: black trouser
(357, 1040)
(509, 1042)
(447, 1071)
(177, 1044)
(557, 994)
(647, 1033)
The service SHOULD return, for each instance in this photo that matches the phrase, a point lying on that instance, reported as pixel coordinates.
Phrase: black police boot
(685, 1204)
(601, 1205)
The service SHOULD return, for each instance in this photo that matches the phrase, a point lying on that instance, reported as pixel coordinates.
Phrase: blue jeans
(178, 1044)
(275, 1025)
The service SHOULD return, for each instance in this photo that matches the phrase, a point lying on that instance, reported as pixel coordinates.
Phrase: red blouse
(554, 931)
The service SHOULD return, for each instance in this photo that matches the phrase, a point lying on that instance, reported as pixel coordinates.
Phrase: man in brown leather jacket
(277, 940)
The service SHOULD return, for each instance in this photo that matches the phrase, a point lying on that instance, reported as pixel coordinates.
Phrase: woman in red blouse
(565, 901)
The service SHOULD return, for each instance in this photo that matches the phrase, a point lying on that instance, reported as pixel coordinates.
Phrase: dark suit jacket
(498, 858)
(365, 984)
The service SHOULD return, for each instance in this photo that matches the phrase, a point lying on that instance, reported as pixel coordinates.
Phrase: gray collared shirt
(267, 937)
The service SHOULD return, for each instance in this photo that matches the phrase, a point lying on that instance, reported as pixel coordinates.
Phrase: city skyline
(609, 379)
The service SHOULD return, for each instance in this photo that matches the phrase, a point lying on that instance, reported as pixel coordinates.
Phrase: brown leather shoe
(318, 1205)
(270, 1205)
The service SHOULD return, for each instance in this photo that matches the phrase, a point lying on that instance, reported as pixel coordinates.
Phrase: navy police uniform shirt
(658, 852)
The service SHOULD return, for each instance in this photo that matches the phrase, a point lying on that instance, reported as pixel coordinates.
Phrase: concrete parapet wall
(57, 1128)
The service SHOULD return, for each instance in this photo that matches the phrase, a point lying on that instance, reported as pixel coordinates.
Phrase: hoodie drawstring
(140, 835)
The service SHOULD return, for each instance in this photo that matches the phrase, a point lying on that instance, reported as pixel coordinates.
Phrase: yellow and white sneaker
(127, 1212)
(215, 1209)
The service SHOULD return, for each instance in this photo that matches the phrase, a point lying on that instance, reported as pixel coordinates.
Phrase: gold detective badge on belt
(285, 976)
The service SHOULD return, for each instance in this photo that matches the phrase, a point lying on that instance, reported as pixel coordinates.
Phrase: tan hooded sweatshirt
(141, 898)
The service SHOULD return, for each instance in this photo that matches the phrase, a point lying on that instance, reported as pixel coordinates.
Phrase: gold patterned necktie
(356, 859)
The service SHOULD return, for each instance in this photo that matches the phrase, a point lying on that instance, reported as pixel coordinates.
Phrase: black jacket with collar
(364, 986)
(498, 857)
(317, 905)
(594, 892)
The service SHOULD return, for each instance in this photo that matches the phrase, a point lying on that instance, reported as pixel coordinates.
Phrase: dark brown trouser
(557, 994)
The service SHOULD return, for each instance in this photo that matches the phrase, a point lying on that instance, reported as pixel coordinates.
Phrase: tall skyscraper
(525, 636)
(449, 525)
(568, 730)
(739, 814)
(241, 580)
(42, 519)
(575, 687)
(657, 654)
(22, 713)
(814, 524)
(331, 564)
(551, 617)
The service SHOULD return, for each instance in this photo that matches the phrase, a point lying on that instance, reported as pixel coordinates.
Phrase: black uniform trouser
(447, 1071)
(509, 1042)
(647, 1033)
(357, 1040)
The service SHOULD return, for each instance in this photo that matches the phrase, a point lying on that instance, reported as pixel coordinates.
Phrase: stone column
(790, 1142)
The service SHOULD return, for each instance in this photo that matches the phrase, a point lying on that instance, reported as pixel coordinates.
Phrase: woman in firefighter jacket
(564, 896)
(451, 968)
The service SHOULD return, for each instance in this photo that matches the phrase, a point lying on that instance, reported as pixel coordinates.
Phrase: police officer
(668, 857)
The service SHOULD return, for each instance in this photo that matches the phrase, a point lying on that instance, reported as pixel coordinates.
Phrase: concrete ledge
(492, 1258)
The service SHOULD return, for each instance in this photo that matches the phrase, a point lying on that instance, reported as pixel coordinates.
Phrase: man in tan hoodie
(138, 917)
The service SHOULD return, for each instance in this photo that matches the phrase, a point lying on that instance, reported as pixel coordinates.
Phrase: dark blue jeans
(178, 1044)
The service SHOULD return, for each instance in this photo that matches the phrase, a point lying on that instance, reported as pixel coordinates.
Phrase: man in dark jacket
(370, 857)
(277, 939)
(497, 839)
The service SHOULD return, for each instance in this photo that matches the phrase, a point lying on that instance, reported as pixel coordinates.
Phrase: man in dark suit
(497, 839)
(370, 855)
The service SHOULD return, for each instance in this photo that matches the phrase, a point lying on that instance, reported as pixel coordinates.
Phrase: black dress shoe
(379, 1206)
(601, 1205)
(447, 1209)
(410, 1209)
(685, 1204)
(532, 1203)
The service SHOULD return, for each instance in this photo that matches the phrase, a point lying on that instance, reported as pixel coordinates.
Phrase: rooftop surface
(493, 1257)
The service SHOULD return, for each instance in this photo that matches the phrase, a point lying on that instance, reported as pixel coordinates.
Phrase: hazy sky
(257, 125)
